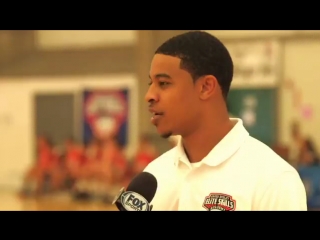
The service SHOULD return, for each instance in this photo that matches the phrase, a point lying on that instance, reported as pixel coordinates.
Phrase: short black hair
(201, 54)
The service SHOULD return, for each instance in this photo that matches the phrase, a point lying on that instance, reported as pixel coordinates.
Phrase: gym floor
(11, 201)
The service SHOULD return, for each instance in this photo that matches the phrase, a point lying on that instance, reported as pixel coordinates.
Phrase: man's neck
(201, 142)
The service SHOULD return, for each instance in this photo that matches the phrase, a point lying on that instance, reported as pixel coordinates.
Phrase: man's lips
(156, 115)
(155, 112)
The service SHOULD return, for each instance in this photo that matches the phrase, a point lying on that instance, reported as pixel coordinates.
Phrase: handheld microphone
(138, 195)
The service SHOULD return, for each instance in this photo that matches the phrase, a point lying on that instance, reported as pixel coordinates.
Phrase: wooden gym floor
(11, 201)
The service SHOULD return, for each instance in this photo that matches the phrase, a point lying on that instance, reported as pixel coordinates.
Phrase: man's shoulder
(276, 181)
(266, 164)
(263, 155)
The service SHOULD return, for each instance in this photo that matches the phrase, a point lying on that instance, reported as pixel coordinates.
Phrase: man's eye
(163, 83)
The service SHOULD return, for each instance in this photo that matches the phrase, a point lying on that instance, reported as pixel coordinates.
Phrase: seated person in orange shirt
(46, 168)
(92, 158)
(113, 163)
(104, 176)
(74, 158)
(146, 153)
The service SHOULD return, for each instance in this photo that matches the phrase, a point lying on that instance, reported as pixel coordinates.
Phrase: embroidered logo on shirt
(219, 202)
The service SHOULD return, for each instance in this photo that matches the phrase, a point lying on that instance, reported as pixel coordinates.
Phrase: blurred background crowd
(74, 122)
(93, 171)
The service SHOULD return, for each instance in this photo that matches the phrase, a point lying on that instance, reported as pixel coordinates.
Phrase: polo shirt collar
(222, 151)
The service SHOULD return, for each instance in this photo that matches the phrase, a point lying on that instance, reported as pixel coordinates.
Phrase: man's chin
(163, 132)
(166, 135)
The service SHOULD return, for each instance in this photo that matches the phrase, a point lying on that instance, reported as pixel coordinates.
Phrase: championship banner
(105, 114)
(311, 179)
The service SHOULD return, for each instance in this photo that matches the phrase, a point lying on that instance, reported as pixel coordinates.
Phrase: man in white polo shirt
(216, 165)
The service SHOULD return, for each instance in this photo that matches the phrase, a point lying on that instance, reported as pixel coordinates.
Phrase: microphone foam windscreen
(144, 184)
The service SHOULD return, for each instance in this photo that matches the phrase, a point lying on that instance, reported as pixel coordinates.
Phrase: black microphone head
(138, 195)
(144, 184)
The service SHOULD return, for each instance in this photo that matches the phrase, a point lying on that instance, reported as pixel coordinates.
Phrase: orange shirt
(114, 158)
(75, 155)
(144, 158)
(47, 159)
(119, 160)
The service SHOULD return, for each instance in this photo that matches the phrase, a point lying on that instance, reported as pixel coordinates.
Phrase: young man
(216, 165)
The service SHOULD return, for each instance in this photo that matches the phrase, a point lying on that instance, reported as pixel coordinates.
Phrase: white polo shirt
(240, 173)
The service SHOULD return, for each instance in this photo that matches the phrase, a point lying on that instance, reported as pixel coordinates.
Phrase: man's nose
(151, 95)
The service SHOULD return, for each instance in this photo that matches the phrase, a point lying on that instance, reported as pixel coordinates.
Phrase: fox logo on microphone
(132, 201)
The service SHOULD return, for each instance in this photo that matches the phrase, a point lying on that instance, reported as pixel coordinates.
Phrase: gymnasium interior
(62, 91)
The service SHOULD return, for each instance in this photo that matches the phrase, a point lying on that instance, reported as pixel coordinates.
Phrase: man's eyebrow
(161, 75)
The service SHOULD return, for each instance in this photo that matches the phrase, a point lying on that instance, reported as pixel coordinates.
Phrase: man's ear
(208, 86)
